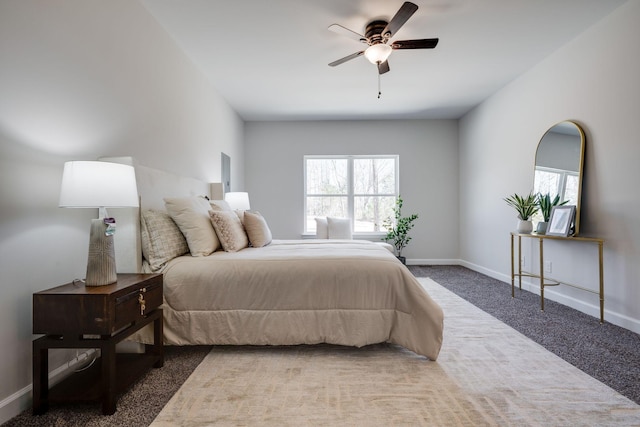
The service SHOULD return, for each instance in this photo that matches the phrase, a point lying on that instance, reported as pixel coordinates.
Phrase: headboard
(153, 186)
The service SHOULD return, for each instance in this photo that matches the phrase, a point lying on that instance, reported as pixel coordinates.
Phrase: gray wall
(428, 153)
(590, 82)
(83, 80)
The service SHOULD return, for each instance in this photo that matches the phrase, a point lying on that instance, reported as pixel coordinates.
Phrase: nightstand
(79, 316)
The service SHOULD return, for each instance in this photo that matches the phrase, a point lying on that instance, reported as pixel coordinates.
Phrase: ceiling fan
(377, 35)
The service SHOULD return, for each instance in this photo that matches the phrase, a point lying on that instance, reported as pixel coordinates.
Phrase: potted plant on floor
(526, 207)
(398, 229)
(546, 205)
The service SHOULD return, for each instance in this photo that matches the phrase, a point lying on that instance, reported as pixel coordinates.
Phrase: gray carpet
(606, 352)
(137, 407)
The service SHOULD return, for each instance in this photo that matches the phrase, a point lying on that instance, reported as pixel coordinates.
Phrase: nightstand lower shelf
(111, 374)
(86, 386)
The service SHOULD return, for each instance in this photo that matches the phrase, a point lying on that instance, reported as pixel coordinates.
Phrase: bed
(287, 292)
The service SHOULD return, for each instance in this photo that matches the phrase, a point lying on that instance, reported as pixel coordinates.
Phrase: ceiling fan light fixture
(378, 53)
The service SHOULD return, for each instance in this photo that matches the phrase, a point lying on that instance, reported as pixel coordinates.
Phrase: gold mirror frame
(560, 161)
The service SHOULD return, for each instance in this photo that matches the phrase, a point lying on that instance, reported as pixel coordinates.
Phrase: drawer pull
(142, 302)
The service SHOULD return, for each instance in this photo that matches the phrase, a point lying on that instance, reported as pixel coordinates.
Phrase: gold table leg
(512, 271)
(600, 256)
(541, 275)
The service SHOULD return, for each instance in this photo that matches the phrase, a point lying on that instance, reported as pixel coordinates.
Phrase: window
(361, 188)
(554, 182)
(557, 181)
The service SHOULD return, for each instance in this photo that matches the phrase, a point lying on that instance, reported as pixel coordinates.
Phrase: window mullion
(351, 189)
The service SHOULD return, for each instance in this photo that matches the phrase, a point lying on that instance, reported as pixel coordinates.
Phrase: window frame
(351, 195)
(562, 179)
(561, 188)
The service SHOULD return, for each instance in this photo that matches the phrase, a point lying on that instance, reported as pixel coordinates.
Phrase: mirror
(558, 165)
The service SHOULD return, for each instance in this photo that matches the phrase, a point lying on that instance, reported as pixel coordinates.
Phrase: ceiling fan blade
(346, 58)
(415, 44)
(344, 31)
(404, 13)
(383, 67)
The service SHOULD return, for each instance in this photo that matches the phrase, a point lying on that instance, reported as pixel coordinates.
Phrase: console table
(544, 282)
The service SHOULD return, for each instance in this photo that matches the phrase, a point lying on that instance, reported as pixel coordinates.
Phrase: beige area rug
(487, 375)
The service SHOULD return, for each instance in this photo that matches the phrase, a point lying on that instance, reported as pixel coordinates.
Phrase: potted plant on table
(546, 205)
(526, 207)
(398, 229)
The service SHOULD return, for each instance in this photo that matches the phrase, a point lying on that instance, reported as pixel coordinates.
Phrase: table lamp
(237, 200)
(94, 184)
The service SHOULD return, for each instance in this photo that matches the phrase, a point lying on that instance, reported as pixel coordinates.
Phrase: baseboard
(612, 317)
(15, 404)
(487, 272)
(22, 399)
(414, 261)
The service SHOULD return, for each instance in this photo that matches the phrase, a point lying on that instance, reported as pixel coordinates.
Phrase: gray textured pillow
(257, 229)
(161, 239)
(229, 230)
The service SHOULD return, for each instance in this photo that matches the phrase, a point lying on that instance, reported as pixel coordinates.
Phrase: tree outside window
(361, 188)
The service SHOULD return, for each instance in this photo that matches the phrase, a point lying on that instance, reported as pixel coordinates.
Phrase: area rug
(487, 374)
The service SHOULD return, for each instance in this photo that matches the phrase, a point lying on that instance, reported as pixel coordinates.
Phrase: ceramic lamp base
(101, 264)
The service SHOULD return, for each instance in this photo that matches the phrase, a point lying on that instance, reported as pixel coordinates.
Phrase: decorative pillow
(161, 238)
(339, 228)
(191, 214)
(219, 205)
(257, 229)
(322, 230)
(229, 229)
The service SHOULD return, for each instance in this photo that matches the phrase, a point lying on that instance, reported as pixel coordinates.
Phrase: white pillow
(339, 228)
(322, 230)
(191, 214)
(257, 229)
(230, 230)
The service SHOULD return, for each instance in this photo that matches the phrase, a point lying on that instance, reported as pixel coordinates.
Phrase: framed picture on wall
(561, 220)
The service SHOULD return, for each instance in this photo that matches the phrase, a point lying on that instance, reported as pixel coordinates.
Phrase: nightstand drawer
(95, 310)
(136, 304)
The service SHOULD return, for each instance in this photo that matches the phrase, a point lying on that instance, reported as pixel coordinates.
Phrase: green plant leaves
(525, 206)
(546, 204)
(528, 205)
(399, 228)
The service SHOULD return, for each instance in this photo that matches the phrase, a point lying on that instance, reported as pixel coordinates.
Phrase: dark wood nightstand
(79, 316)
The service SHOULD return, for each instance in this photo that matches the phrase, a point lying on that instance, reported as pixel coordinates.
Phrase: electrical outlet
(547, 266)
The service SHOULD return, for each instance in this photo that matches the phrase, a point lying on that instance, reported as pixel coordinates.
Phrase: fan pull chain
(379, 91)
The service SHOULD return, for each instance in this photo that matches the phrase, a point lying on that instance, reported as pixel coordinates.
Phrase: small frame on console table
(561, 222)
(99, 317)
(544, 282)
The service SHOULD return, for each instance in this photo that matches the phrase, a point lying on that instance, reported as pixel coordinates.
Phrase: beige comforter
(299, 292)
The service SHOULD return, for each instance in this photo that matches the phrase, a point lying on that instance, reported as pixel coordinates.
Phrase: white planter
(524, 227)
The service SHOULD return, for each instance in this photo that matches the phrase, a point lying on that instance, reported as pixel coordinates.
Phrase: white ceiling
(269, 59)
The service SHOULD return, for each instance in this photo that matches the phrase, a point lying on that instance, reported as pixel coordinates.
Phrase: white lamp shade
(237, 200)
(93, 184)
(378, 53)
